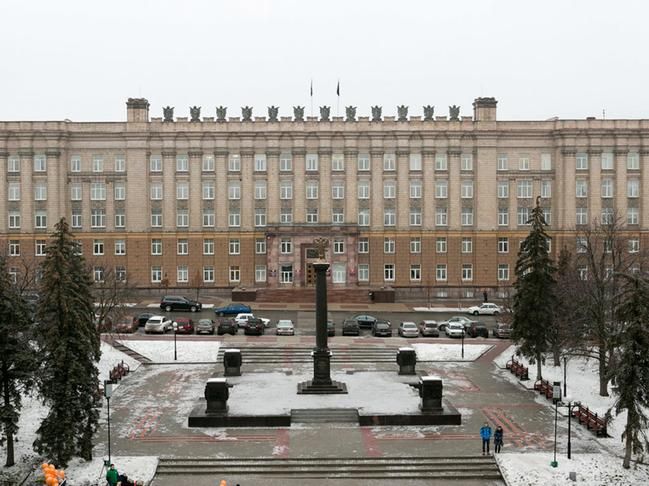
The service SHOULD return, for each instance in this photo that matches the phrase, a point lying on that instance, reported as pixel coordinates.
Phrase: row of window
(608, 161)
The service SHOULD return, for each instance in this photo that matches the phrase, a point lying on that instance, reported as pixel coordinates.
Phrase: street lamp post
(463, 331)
(108, 392)
(565, 372)
(556, 398)
(569, 420)
(175, 326)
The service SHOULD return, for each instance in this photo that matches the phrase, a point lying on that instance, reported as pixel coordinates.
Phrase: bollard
(232, 362)
(430, 391)
(407, 360)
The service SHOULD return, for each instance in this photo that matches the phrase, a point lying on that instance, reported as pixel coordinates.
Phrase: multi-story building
(435, 203)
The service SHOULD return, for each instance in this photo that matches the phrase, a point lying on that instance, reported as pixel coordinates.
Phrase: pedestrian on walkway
(498, 439)
(111, 476)
(485, 434)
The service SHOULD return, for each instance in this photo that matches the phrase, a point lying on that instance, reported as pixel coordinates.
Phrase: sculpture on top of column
(246, 113)
(298, 113)
(324, 113)
(454, 113)
(350, 111)
(429, 112)
(168, 113)
(220, 113)
(273, 111)
(376, 113)
(402, 112)
(195, 113)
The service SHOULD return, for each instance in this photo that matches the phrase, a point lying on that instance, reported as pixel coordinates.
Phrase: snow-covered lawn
(533, 469)
(187, 351)
(461, 310)
(141, 468)
(449, 352)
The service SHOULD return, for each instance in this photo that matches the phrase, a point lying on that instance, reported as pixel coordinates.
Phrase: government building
(421, 205)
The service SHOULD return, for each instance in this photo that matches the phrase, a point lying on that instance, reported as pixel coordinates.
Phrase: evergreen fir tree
(630, 378)
(535, 299)
(70, 350)
(17, 358)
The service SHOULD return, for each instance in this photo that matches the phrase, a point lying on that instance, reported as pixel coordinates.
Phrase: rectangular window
(260, 162)
(182, 163)
(234, 247)
(14, 247)
(13, 191)
(389, 189)
(581, 161)
(208, 163)
(607, 161)
(441, 189)
(208, 246)
(633, 216)
(234, 190)
(607, 215)
(40, 220)
(363, 272)
(466, 189)
(388, 272)
(120, 247)
(260, 217)
(363, 189)
(98, 274)
(260, 273)
(285, 216)
(120, 218)
(546, 188)
(633, 161)
(14, 220)
(120, 163)
(182, 190)
(75, 192)
(76, 218)
(441, 245)
(547, 216)
(415, 273)
(156, 274)
(120, 191)
(415, 217)
(634, 245)
(633, 188)
(338, 190)
(40, 163)
(208, 190)
(41, 245)
(466, 217)
(415, 162)
(155, 163)
(524, 162)
(389, 217)
(156, 191)
(523, 216)
(467, 272)
(260, 190)
(607, 188)
(503, 189)
(503, 217)
(234, 163)
(75, 163)
(97, 191)
(364, 217)
(440, 272)
(312, 162)
(260, 246)
(337, 162)
(415, 189)
(415, 244)
(467, 245)
(546, 161)
(441, 217)
(466, 162)
(182, 274)
(581, 188)
(525, 189)
(389, 162)
(363, 245)
(286, 190)
(13, 164)
(234, 219)
(389, 245)
(503, 271)
(182, 218)
(286, 246)
(182, 247)
(503, 245)
(363, 162)
(581, 216)
(285, 162)
(98, 247)
(208, 274)
(97, 163)
(339, 247)
(98, 218)
(338, 273)
(503, 163)
(441, 162)
(156, 217)
(156, 247)
(286, 274)
(581, 244)
(312, 215)
(312, 189)
(337, 216)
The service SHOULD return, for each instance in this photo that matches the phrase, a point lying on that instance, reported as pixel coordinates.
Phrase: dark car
(350, 328)
(126, 324)
(227, 326)
(365, 320)
(177, 302)
(429, 328)
(331, 328)
(232, 309)
(502, 330)
(254, 326)
(476, 329)
(382, 328)
(142, 318)
(184, 325)
(205, 326)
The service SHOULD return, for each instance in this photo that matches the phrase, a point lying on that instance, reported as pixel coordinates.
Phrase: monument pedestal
(322, 384)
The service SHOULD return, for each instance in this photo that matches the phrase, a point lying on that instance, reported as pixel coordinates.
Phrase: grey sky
(81, 59)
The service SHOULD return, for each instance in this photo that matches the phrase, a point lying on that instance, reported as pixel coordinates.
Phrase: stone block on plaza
(407, 360)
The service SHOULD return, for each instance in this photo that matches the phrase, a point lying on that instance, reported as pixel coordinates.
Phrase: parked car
(177, 302)
(142, 318)
(227, 326)
(184, 325)
(429, 328)
(254, 326)
(455, 329)
(205, 326)
(285, 328)
(158, 324)
(502, 330)
(331, 328)
(232, 309)
(408, 329)
(350, 328)
(485, 309)
(365, 320)
(465, 321)
(382, 328)
(126, 324)
(477, 329)
(243, 318)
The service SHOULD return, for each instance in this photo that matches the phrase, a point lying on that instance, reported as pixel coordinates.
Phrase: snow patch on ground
(141, 468)
(461, 310)
(449, 352)
(187, 351)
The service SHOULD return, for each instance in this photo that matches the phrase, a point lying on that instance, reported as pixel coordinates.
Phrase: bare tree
(111, 293)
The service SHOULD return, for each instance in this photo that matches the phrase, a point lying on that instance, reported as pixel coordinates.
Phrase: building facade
(437, 203)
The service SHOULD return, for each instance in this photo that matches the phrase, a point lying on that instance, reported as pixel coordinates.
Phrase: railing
(590, 419)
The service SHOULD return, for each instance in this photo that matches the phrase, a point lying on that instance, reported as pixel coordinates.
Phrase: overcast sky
(81, 59)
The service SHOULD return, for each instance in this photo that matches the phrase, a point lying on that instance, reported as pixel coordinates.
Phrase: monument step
(277, 354)
(325, 415)
(447, 468)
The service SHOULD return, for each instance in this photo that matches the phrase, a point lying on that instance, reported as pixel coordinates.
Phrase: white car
(485, 309)
(158, 324)
(408, 329)
(285, 327)
(242, 319)
(455, 329)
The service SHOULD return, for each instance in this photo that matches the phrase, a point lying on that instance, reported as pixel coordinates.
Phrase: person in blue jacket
(485, 434)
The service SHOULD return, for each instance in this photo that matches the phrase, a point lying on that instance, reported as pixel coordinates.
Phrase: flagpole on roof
(311, 94)
(338, 95)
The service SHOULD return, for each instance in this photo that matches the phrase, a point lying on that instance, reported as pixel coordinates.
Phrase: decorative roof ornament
(168, 114)
(324, 113)
(454, 113)
(429, 112)
(195, 113)
(273, 111)
(298, 113)
(402, 112)
(350, 111)
(221, 112)
(376, 113)
(246, 113)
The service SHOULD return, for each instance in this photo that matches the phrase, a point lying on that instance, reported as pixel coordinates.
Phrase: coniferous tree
(630, 377)
(535, 298)
(17, 358)
(70, 349)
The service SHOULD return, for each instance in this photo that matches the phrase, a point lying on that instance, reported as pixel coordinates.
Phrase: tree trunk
(603, 371)
(7, 404)
(628, 434)
(539, 375)
(556, 356)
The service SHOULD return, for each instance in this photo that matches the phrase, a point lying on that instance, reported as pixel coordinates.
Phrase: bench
(119, 371)
(544, 387)
(590, 419)
(517, 369)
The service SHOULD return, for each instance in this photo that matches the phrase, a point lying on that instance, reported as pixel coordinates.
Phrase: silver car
(205, 326)
(285, 327)
(408, 329)
(158, 324)
(455, 329)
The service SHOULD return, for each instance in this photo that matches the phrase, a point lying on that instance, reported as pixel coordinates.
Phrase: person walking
(111, 476)
(498, 439)
(485, 434)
